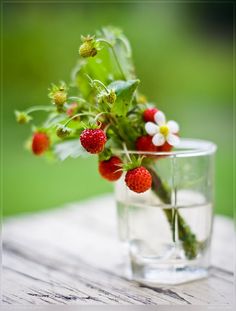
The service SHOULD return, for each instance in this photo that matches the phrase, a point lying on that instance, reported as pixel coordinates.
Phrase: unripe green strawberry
(138, 179)
(63, 131)
(59, 98)
(111, 97)
(108, 97)
(88, 47)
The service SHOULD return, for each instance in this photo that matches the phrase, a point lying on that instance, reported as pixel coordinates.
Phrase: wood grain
(72, 255)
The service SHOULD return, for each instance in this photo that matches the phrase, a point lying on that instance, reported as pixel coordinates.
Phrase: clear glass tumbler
(168, 228)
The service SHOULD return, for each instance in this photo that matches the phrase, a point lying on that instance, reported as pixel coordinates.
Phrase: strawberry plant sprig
(101, 112)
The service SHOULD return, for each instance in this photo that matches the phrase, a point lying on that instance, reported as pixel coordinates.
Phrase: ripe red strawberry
(165, 148)
(144, 143)
(148, 114)
(108, 169)
(40, 143)
(138, 179)
(93, 140)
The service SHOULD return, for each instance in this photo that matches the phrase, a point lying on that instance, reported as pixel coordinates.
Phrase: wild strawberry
(93, 140)
(58, 95)
(59, 98)
(148, 114)
(110, 98)
(88, 47)
(108, 169)
(144, 143)
(63, 131)
(40, 143)
(165, 148)
(72, 109)
(138, 179)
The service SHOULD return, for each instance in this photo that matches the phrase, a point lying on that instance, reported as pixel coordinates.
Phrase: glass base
(166, 274)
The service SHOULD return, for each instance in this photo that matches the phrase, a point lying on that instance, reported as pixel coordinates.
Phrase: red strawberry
(40, 143)
(93, 140)
(148, 114)
(138, 179)
(144, 143)
(165, 148)
(108, 169)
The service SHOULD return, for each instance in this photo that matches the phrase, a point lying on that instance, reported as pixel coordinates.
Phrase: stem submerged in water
(189, 240)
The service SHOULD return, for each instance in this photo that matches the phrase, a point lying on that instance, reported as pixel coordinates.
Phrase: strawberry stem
(102, 84)
(100, 114)
(79, 115)
(75, 98)
(189, 240)
(39, 108)
(115, 56)
(126, 151)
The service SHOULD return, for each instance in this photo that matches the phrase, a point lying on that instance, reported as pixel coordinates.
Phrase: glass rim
(190, 147)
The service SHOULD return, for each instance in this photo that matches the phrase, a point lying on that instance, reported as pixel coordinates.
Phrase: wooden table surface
(71, 255)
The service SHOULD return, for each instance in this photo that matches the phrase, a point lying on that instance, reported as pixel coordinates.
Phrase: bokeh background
(184, 58)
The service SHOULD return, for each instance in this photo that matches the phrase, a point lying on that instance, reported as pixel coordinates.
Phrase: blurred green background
(183, 56)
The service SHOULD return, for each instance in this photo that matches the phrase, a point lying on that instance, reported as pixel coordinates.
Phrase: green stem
(50, 122)
(126, 151)
(118, 63)
(75, 98)
(100, 114)
(79, 115)
(189, 239)
(173, 224)
(40, 108)
(102, 84)
(93, 82)
(115, 56)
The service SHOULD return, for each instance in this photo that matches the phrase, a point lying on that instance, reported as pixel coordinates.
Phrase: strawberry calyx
(133, 163)
(22, 117)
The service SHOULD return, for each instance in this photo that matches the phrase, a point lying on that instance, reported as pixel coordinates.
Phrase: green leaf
(125, 92)
(122, 50)
(70, 148)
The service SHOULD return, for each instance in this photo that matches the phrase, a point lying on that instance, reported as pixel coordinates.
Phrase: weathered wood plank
(72, 256)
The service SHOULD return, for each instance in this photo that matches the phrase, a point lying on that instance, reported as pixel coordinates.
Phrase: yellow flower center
(164, 130)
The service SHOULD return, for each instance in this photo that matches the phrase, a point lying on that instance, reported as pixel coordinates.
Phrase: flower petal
(173, 126)
(173, 140)
(151, 128)
(160, 118)
(158, 139)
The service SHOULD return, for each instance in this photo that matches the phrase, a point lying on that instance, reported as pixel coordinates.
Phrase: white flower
(163, 131)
